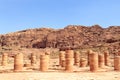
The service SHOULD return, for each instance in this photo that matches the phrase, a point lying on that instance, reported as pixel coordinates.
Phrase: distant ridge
(72, 36)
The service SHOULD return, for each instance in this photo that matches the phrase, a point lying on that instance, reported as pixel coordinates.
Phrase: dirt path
(60, 76)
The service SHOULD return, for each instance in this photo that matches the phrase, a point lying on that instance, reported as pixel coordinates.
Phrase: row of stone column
(98, 60)
(95, 61)
(67, 59)
(19, 61)
(44, 62)
(101, 60)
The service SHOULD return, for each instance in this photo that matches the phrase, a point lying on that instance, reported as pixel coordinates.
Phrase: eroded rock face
(72, 36)
(26, 38)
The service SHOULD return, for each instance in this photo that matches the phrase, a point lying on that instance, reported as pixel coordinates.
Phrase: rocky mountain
(72, 36)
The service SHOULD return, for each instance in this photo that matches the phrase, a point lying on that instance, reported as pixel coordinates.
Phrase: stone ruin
(68, 60)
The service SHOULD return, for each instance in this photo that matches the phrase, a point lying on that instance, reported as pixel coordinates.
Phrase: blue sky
(18, 15)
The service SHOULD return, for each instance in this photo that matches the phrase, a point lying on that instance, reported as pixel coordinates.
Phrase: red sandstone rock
(74, 36)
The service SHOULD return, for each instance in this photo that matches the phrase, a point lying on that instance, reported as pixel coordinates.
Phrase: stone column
(106, 57)
(61, 58)
(44, 63)
(48, 56)
(63, 63)
(88, 52)
(93, 60)
(101, 60)
(4, 59)
(117, 63)
(33, 59)
(83, 62)
(77, 58)
(18, 62)
(69, 60)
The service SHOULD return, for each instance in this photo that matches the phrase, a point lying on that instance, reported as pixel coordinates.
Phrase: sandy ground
(60, 76)
(57, 73)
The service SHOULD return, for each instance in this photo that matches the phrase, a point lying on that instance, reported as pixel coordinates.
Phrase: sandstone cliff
(72, 36)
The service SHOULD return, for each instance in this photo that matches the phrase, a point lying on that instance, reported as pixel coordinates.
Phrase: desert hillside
(72, 36)
(35, 54)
